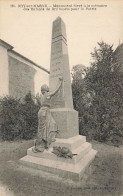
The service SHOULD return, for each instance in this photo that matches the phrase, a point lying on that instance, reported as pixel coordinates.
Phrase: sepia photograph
(61, 98)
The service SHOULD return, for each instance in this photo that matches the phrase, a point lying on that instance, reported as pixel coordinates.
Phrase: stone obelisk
(59, 66)
(62, 103)
(65, 116)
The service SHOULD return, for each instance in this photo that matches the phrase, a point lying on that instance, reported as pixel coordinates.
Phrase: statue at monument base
(47, 128)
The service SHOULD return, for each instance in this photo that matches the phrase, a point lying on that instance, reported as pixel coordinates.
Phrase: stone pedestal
(64, 167)
(67, 122)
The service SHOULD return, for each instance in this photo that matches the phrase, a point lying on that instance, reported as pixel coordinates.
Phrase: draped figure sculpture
(47, 128)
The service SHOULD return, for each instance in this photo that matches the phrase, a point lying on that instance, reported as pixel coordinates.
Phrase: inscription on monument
(59, 66)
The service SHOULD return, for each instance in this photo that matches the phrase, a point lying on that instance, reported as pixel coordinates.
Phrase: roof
(6, 45)
(10, 48)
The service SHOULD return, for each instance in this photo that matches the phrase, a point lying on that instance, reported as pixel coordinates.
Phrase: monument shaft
(62, 103)
(59, 66)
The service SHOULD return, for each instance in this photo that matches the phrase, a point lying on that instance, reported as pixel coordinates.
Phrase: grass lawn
(102, 178)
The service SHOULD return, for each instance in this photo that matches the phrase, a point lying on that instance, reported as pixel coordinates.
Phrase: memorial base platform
(64, 167)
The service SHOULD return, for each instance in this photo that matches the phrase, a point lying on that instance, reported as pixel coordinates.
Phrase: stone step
(71, 143)
(81, 151)
(47, 154)
(67, 170)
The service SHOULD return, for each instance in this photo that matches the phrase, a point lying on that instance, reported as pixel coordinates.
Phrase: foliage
(81, 99)
(19, 120)
(30, 113)
(103, 82)
(11, 118)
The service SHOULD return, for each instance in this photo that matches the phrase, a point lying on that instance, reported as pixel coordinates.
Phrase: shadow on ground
(102, 178)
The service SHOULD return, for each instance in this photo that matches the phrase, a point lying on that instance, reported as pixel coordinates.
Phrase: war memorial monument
(59, 149)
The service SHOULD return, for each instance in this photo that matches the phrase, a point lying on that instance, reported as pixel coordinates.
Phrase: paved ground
(102, 178)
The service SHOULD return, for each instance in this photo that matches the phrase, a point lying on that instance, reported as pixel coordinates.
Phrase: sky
(29, 32)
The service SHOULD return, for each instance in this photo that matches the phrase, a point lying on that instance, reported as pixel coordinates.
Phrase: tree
(98, 96)
(105, 81)
(18, 120)
(30, 114)
(81, 97)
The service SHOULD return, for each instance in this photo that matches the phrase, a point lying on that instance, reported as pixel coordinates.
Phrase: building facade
(18, 74)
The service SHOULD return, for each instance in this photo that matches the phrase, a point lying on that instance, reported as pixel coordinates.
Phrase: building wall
(24, 76)
(4, 85)
(21, 78)
(40, 78)
(18, 74)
